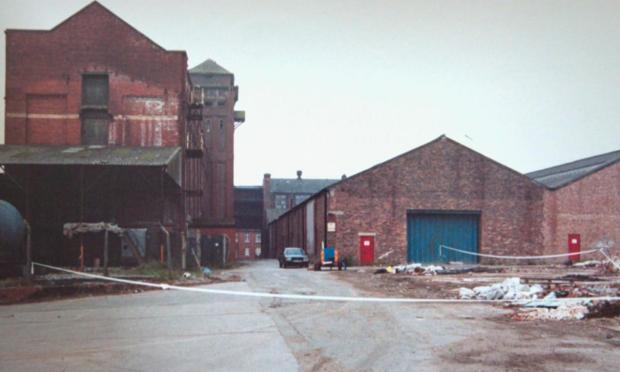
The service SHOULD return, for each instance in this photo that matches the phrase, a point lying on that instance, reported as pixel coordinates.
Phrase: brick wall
(442, 175)
(246, 242)
(147, 84)
(218, 202)
(146, 106)
(589, 207)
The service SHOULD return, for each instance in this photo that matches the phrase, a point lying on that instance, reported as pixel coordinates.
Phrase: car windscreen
(297, 251)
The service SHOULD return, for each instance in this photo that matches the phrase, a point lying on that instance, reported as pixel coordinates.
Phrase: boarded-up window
(95, 90)
(95, 128)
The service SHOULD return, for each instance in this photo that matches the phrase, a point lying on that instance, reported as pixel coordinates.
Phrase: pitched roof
(87, 155)
(299, 186)
(93, 6)
(126, 156)
(564, 174)
(209, 67)
(443, 137)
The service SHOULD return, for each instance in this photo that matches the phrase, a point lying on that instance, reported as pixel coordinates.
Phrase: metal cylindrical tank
(12, 229)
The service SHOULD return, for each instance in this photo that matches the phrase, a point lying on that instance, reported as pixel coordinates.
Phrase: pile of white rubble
(509, 289)
(418, 268)
(534, 307)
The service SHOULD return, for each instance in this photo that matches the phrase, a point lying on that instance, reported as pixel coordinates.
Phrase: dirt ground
(572, 338)
(577, 281)
(177, 330)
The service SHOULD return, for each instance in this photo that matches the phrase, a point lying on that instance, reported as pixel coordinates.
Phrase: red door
(367, 249)
(574, 246)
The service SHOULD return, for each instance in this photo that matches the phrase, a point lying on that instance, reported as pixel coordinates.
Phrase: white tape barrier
(518, 257)
(609, 259)
(306, 297)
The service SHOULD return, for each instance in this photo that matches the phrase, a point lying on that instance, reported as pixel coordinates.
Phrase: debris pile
(509, 289)
(591, 263)
(550, 308)
(412, 268)
(565, 311)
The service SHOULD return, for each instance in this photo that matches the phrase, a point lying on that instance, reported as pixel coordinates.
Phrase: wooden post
(82, 217)
(81, 253)
(169, 255)
(105, 253)
(183, 251)
(28, 270)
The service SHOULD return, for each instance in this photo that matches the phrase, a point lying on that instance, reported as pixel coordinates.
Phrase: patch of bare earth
(497, 341)
(539, 346)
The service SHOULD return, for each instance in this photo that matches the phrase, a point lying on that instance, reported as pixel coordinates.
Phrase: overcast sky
(334, 87)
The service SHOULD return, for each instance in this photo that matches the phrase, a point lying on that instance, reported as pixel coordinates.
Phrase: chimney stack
(299, 175)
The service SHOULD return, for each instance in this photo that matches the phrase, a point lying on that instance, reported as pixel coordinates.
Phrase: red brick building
(582, 202)
(214, 87)
(445, 193)
(248, 243)
(282, 194)
(249, 222)
(101, 126)
(93, 80)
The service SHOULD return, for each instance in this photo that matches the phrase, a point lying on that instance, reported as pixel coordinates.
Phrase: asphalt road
(184, 331)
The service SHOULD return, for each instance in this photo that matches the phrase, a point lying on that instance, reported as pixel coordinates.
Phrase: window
(247, 237)
(257, 240)
(300, 198)
(247, 252)
(222, 136)
(281, 202)
(95, 90)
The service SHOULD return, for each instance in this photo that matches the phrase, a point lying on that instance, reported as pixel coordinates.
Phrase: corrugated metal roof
(209, 67)
(299, 186)
(562, 175)
(87, 155)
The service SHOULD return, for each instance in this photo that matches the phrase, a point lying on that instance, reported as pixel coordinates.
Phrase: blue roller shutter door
(427, 231)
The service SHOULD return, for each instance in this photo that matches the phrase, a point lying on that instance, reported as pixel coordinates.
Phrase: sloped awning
(123, 156)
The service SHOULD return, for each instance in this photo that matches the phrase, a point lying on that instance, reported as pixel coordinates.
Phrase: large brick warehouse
(105, 125)
(444, 193)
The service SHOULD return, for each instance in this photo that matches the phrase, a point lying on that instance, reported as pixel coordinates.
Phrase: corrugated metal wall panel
(427, 231)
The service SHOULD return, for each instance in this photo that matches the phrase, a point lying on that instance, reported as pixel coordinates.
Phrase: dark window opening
(95, 125)
(95, 90)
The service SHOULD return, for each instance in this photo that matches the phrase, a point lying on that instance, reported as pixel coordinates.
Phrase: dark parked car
(293, 256)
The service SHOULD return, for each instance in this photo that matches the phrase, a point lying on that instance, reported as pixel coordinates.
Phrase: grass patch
(156, 270)
(14, 282)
